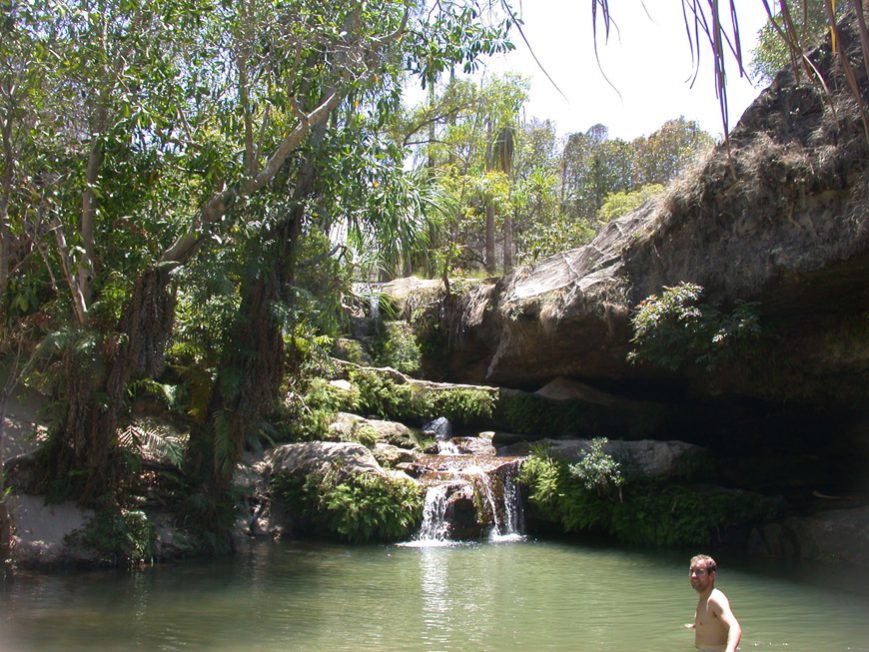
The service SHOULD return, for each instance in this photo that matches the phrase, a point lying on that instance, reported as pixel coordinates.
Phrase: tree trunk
(490, 237)
(253, 363)
(5, 198)
(5, 536)
(83, 462)
(508, 243)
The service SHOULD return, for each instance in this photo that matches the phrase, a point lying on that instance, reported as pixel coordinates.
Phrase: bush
(359, 508)
(651, 512)
(678, 328)
(118, 537)
(397, 348)
(598, 471)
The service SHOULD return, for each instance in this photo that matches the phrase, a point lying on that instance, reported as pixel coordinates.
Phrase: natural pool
(508, 596)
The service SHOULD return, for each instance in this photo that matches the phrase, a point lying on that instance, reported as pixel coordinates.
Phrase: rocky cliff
(776, 217)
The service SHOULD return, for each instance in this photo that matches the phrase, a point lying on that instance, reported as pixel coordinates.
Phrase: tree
(662, 156)
(773, 54)
(593, 165)
(168, 126)
(623, 202)
(469, 158)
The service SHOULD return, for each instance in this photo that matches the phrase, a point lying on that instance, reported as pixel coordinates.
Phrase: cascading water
(514, 517)
(434, 524)
(467, 492)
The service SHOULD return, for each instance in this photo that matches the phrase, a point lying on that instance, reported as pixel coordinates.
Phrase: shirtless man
(715, 627)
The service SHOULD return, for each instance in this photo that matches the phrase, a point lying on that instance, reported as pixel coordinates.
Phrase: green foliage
(597, 470)
(651, 512)
(366, 435)
(621, 203)
(677, 329)
(667, 152)
(359, 508)
(120, 537)
(771, 54)
(528, 413)
(147, 440)
(379, 394)
(559, 233)
(397, 348)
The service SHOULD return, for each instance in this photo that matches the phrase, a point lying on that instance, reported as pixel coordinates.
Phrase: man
(715, 627)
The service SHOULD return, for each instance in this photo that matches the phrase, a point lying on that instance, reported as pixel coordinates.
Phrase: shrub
(118, 537)
(397, 348)
(678, 328)
(391, 399)
(359, 508)
(651, 513)
(597, 470)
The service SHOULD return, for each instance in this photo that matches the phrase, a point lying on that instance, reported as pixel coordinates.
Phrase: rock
(776, 217)
(393, 456)
(347, 426)
(321, 456)
(411, 292)
(440, 428)
(838, 535)
(461, 512)
(340, 383)
(41, 530)
(468, 446)
(646, 457)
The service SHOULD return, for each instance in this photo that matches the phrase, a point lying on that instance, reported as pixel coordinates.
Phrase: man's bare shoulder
(717, 601)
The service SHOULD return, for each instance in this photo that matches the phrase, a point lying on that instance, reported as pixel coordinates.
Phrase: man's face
(701, 579)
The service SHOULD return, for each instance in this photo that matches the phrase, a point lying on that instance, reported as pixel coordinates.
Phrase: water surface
(505, 597)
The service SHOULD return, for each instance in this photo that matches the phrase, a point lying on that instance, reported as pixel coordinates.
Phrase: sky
(648, 59)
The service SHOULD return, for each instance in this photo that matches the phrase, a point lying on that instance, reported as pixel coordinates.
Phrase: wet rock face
(461, 514)
(837, 535)
(780, 220)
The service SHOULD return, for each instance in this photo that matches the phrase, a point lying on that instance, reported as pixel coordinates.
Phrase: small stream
(529, 595)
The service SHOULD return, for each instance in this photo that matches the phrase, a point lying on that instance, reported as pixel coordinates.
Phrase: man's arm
(721, 608)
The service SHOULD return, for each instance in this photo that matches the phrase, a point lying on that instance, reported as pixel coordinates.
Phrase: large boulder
(320, 457)
(348, 426)
(837, 535)
(41, 531)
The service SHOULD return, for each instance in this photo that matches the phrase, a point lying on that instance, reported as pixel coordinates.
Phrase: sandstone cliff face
(781, 220)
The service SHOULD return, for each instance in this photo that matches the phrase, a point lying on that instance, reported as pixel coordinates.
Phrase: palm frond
(149, 443)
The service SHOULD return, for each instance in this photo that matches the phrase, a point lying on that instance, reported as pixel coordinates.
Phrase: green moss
(387, 398)
(524, 413)
(360, 508)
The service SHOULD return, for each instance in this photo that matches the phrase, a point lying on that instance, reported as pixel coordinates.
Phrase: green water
(519, 596)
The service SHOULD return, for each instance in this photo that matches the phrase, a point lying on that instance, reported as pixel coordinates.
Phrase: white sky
(648, 60)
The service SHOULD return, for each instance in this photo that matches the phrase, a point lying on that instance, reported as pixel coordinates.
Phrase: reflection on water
(522, 596)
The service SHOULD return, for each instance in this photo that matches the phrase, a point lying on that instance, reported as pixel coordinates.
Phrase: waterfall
(514, 517)
(434, 528)
(374, 305)
(469, 490)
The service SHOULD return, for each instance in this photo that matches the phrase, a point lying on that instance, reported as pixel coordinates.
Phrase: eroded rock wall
(777, 216)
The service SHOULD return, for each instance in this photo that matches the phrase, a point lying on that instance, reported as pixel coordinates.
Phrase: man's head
(702, 572)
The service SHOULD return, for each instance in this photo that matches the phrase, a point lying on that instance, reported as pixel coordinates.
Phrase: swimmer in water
(715, 627)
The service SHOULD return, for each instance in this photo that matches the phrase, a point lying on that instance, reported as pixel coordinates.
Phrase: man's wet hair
(711, 566)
